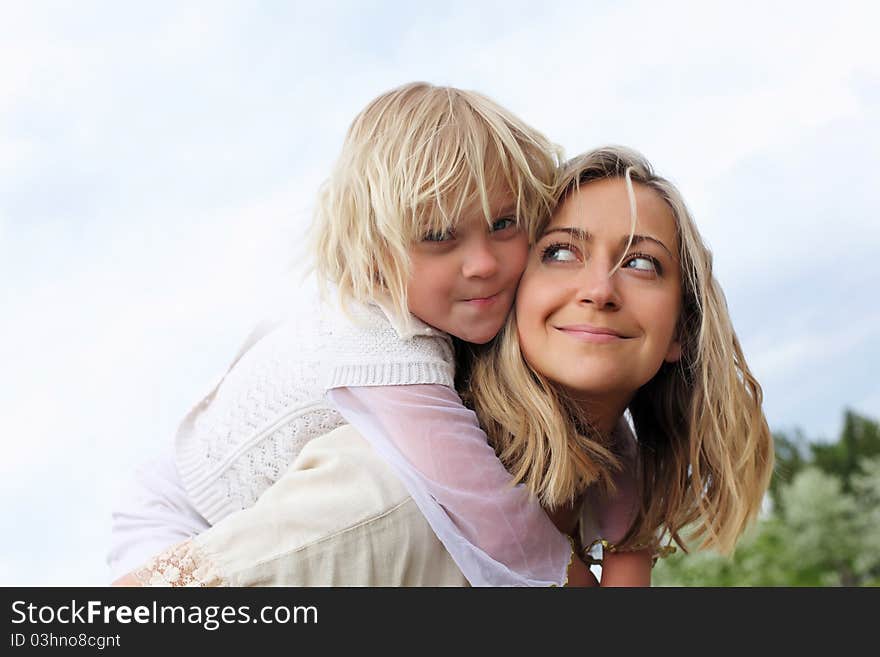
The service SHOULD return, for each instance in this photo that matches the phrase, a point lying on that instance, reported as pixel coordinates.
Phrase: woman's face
(602, 336)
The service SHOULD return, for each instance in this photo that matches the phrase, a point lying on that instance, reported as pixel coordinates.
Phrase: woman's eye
(559, 253)
(501, 224)
(643, 263)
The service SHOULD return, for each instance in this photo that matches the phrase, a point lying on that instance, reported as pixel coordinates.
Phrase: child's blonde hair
(705, 450)
(412, 161)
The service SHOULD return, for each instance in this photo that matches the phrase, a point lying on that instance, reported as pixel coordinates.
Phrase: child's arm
(497, 534)
(153, 513)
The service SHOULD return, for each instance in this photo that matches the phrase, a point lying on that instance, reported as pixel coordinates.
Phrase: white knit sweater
(240, 439)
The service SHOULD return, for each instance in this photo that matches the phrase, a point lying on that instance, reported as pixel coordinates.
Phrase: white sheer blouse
(497, 533)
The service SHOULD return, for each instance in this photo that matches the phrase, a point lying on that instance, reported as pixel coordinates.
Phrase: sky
(159, 161)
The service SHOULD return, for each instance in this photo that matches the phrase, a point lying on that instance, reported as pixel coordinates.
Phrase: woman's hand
(626, 568)
(579, 575)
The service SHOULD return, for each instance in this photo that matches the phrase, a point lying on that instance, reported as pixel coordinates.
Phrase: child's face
(464, 283)
(599, 336)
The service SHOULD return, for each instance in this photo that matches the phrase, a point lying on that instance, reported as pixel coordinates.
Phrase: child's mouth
(482, 302)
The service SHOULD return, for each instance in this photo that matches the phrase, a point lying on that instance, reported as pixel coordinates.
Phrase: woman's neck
(566, 517)
(603, 414)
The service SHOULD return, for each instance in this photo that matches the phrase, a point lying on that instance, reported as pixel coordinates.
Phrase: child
(422, 231)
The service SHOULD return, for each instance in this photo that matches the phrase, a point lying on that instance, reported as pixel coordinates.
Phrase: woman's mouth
(590, 333)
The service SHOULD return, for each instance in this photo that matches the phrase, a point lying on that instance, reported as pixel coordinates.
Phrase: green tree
(859, 440)
(821, 533)
(824, 525)
(866, 490)
(790, 449)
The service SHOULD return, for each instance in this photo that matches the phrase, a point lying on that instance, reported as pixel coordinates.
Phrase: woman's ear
(674, 353)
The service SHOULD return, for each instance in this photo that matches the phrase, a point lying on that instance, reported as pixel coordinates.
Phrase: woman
(617, 311)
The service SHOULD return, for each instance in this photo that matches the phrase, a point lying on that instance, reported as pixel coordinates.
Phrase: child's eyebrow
(584, 236)
(506, 210)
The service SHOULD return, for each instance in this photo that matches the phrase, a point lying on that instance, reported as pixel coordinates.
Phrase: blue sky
(158, 164)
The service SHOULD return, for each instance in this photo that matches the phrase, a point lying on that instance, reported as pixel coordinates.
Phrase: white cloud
(121, 316)
(781, 356)
(869, 404)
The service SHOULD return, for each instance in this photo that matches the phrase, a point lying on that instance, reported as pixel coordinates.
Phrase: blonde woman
(617, 311)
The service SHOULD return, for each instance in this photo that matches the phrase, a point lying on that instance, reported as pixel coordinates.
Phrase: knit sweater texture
(244, 434)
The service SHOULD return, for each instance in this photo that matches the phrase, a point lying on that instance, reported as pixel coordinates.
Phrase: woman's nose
(479, 260)
(597, 285)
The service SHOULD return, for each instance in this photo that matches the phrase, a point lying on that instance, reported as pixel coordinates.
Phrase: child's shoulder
(377, 320)
(366, 346)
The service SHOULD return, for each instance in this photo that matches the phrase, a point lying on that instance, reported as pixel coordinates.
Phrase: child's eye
(559, 253)
(641, 262)
(438, 236)
(501, 224)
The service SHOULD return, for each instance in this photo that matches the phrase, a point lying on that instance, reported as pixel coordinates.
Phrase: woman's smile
(590, 333)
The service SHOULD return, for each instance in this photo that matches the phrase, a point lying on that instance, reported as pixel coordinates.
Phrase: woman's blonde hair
(705, 450)
(413, 160)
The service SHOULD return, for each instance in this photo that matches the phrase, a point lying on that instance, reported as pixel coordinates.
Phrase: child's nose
(479, 260)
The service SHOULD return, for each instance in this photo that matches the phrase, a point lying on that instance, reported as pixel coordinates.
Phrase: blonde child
(421, 234)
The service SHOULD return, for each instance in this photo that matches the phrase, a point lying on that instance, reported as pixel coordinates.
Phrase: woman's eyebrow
(576, 233)
(645, 238)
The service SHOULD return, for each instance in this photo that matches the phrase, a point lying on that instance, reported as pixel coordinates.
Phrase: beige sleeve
(338, 517)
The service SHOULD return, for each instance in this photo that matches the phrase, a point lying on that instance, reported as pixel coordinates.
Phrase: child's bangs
(469, 167)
